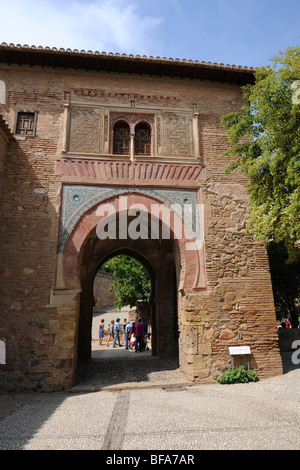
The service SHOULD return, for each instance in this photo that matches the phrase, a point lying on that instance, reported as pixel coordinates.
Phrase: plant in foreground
(238, 375)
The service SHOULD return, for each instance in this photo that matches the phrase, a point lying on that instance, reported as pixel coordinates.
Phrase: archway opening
(123, 291)
(161, 259)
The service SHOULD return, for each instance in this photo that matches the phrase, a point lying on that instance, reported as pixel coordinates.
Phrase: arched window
(142, 141)
(121, 139)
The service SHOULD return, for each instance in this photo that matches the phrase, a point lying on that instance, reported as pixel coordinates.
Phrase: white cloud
(103, 25)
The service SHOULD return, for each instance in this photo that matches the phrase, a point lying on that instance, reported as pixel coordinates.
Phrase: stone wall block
(189, 339)
(226, 335)
(205, 349)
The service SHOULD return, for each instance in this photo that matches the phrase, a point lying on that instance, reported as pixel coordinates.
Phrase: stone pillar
(60, 283)
(63, 352)
(196, 143)
(66, 127)
(132, 148)
(195, 346)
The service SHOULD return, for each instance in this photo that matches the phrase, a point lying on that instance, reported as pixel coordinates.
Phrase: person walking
(127, 333)
(101, 332)
(111, 332)
(288, 324)
(117, 331)
(139, 335)
(149, 329)
(131, 336)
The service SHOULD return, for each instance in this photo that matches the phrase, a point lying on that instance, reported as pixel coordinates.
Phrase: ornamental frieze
(116, 95)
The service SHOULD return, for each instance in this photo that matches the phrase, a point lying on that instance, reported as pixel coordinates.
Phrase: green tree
(132, 281)
(264, 138)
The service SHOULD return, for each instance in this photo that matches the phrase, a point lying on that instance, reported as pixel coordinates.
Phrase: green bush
(238, 375)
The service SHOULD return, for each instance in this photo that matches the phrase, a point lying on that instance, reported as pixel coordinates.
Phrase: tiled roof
(123, 63)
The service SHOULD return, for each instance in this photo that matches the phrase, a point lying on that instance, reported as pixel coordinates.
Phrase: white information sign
(239, 350)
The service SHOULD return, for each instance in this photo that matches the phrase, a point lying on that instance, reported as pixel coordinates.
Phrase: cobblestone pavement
(261, 415)
(121, 368)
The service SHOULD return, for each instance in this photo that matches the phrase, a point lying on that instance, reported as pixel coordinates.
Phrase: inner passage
(122, 291)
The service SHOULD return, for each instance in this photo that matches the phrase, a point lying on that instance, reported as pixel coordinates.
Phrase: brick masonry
(224, 295)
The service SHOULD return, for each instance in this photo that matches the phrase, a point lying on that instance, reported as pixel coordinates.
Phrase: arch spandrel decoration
(78, 200)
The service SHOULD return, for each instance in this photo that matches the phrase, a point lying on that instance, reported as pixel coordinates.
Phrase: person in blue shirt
(117, 330)
(127, 331)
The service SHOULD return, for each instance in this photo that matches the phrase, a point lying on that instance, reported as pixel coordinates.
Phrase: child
(131, 336)
(132, 341)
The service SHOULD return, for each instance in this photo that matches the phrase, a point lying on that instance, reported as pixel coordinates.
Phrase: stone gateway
(89, 138)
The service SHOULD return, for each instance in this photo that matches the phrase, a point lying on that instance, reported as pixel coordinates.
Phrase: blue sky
(238, 32)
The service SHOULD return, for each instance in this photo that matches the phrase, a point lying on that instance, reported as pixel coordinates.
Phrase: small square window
(26, 123)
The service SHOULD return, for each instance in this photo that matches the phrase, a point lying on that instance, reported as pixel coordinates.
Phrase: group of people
(135, 334)
(285, 324)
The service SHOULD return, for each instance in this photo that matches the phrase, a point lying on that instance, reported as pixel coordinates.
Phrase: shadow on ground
(115, 367)
(288, 364)
(109, 367)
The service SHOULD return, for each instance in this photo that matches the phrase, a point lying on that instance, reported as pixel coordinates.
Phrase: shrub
(238, 375)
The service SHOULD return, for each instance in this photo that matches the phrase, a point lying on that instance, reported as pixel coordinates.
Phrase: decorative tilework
(77, 199)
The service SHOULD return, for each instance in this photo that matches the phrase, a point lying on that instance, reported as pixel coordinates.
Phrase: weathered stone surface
(103, 297)
(226, 335)
(189, 339)
(205, 348)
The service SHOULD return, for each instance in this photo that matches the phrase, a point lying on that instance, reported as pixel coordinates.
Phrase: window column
(196, 143)
(132, 148)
